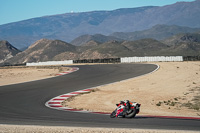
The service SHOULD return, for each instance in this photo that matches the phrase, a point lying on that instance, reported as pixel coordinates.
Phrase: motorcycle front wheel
(132, 114)
(113, 114)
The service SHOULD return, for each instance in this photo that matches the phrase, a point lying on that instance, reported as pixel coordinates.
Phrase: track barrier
(67, 62)
(120, 60)
(151, 59)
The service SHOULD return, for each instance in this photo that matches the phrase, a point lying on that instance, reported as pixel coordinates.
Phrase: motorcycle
(123, 112)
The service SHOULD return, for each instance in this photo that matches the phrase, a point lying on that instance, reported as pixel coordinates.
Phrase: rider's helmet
(122, 102)
(126, 101)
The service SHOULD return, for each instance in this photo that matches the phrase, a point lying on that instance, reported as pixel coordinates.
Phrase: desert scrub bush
(172, 103)
(176, 99)
(159, 103)
(195, 106)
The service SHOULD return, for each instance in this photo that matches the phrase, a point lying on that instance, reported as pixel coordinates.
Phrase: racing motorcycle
(123, 112)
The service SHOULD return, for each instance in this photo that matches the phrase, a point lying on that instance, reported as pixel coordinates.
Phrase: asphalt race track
(24, 104)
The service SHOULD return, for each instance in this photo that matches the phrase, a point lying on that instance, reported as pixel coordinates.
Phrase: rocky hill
(187, 44)
(183, 38)
(68, 26)
(42, 50)
(147, 47)
(7, 51)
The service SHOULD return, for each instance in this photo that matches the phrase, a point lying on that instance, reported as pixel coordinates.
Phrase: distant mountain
(97, 38)
(109, 49)
(146, 47)
(183, 38)
(158, 32)
(187, 44)
(7, 51)
(68, 26)
(91, 43)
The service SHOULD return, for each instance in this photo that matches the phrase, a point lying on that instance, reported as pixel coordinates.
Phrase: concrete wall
(50, 63)
(151, 59)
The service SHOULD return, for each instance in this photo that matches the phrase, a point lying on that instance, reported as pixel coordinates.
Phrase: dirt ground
(13, 75)
(57, 129)
(171, 90)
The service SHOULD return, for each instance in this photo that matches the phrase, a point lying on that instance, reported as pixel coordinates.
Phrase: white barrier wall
(123, 60)
(151, 59)
(50, 63)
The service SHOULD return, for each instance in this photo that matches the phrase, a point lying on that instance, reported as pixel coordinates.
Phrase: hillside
(147, 47)
(68, 26)
(158, 32)
(187, 44)
(7, 51)
(97, 38)
(183, 38)
(42, 50)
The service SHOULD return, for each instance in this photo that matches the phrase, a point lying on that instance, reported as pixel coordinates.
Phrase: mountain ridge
(158, 32)
(97, 37)
(7, 51)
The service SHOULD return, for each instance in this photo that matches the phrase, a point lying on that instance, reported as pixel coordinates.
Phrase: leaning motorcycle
(122, 112)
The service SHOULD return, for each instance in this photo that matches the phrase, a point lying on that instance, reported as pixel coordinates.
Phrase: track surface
(24, 103)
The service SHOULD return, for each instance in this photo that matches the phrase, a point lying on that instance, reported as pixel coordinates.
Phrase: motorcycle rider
(126, 109)
(127, 104)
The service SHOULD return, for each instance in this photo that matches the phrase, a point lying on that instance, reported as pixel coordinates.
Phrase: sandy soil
(57, 129)
(161, 93)
(13, 75)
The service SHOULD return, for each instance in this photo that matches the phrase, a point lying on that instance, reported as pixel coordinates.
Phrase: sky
(17, 10)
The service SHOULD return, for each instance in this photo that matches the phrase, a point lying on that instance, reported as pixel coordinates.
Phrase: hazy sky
(16, 10)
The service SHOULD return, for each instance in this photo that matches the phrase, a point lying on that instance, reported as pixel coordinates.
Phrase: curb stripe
(54, 103)
(55, 106)
(66, 96)
(67, 72)
(87, 90)
(57, 99)
(75, 93)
